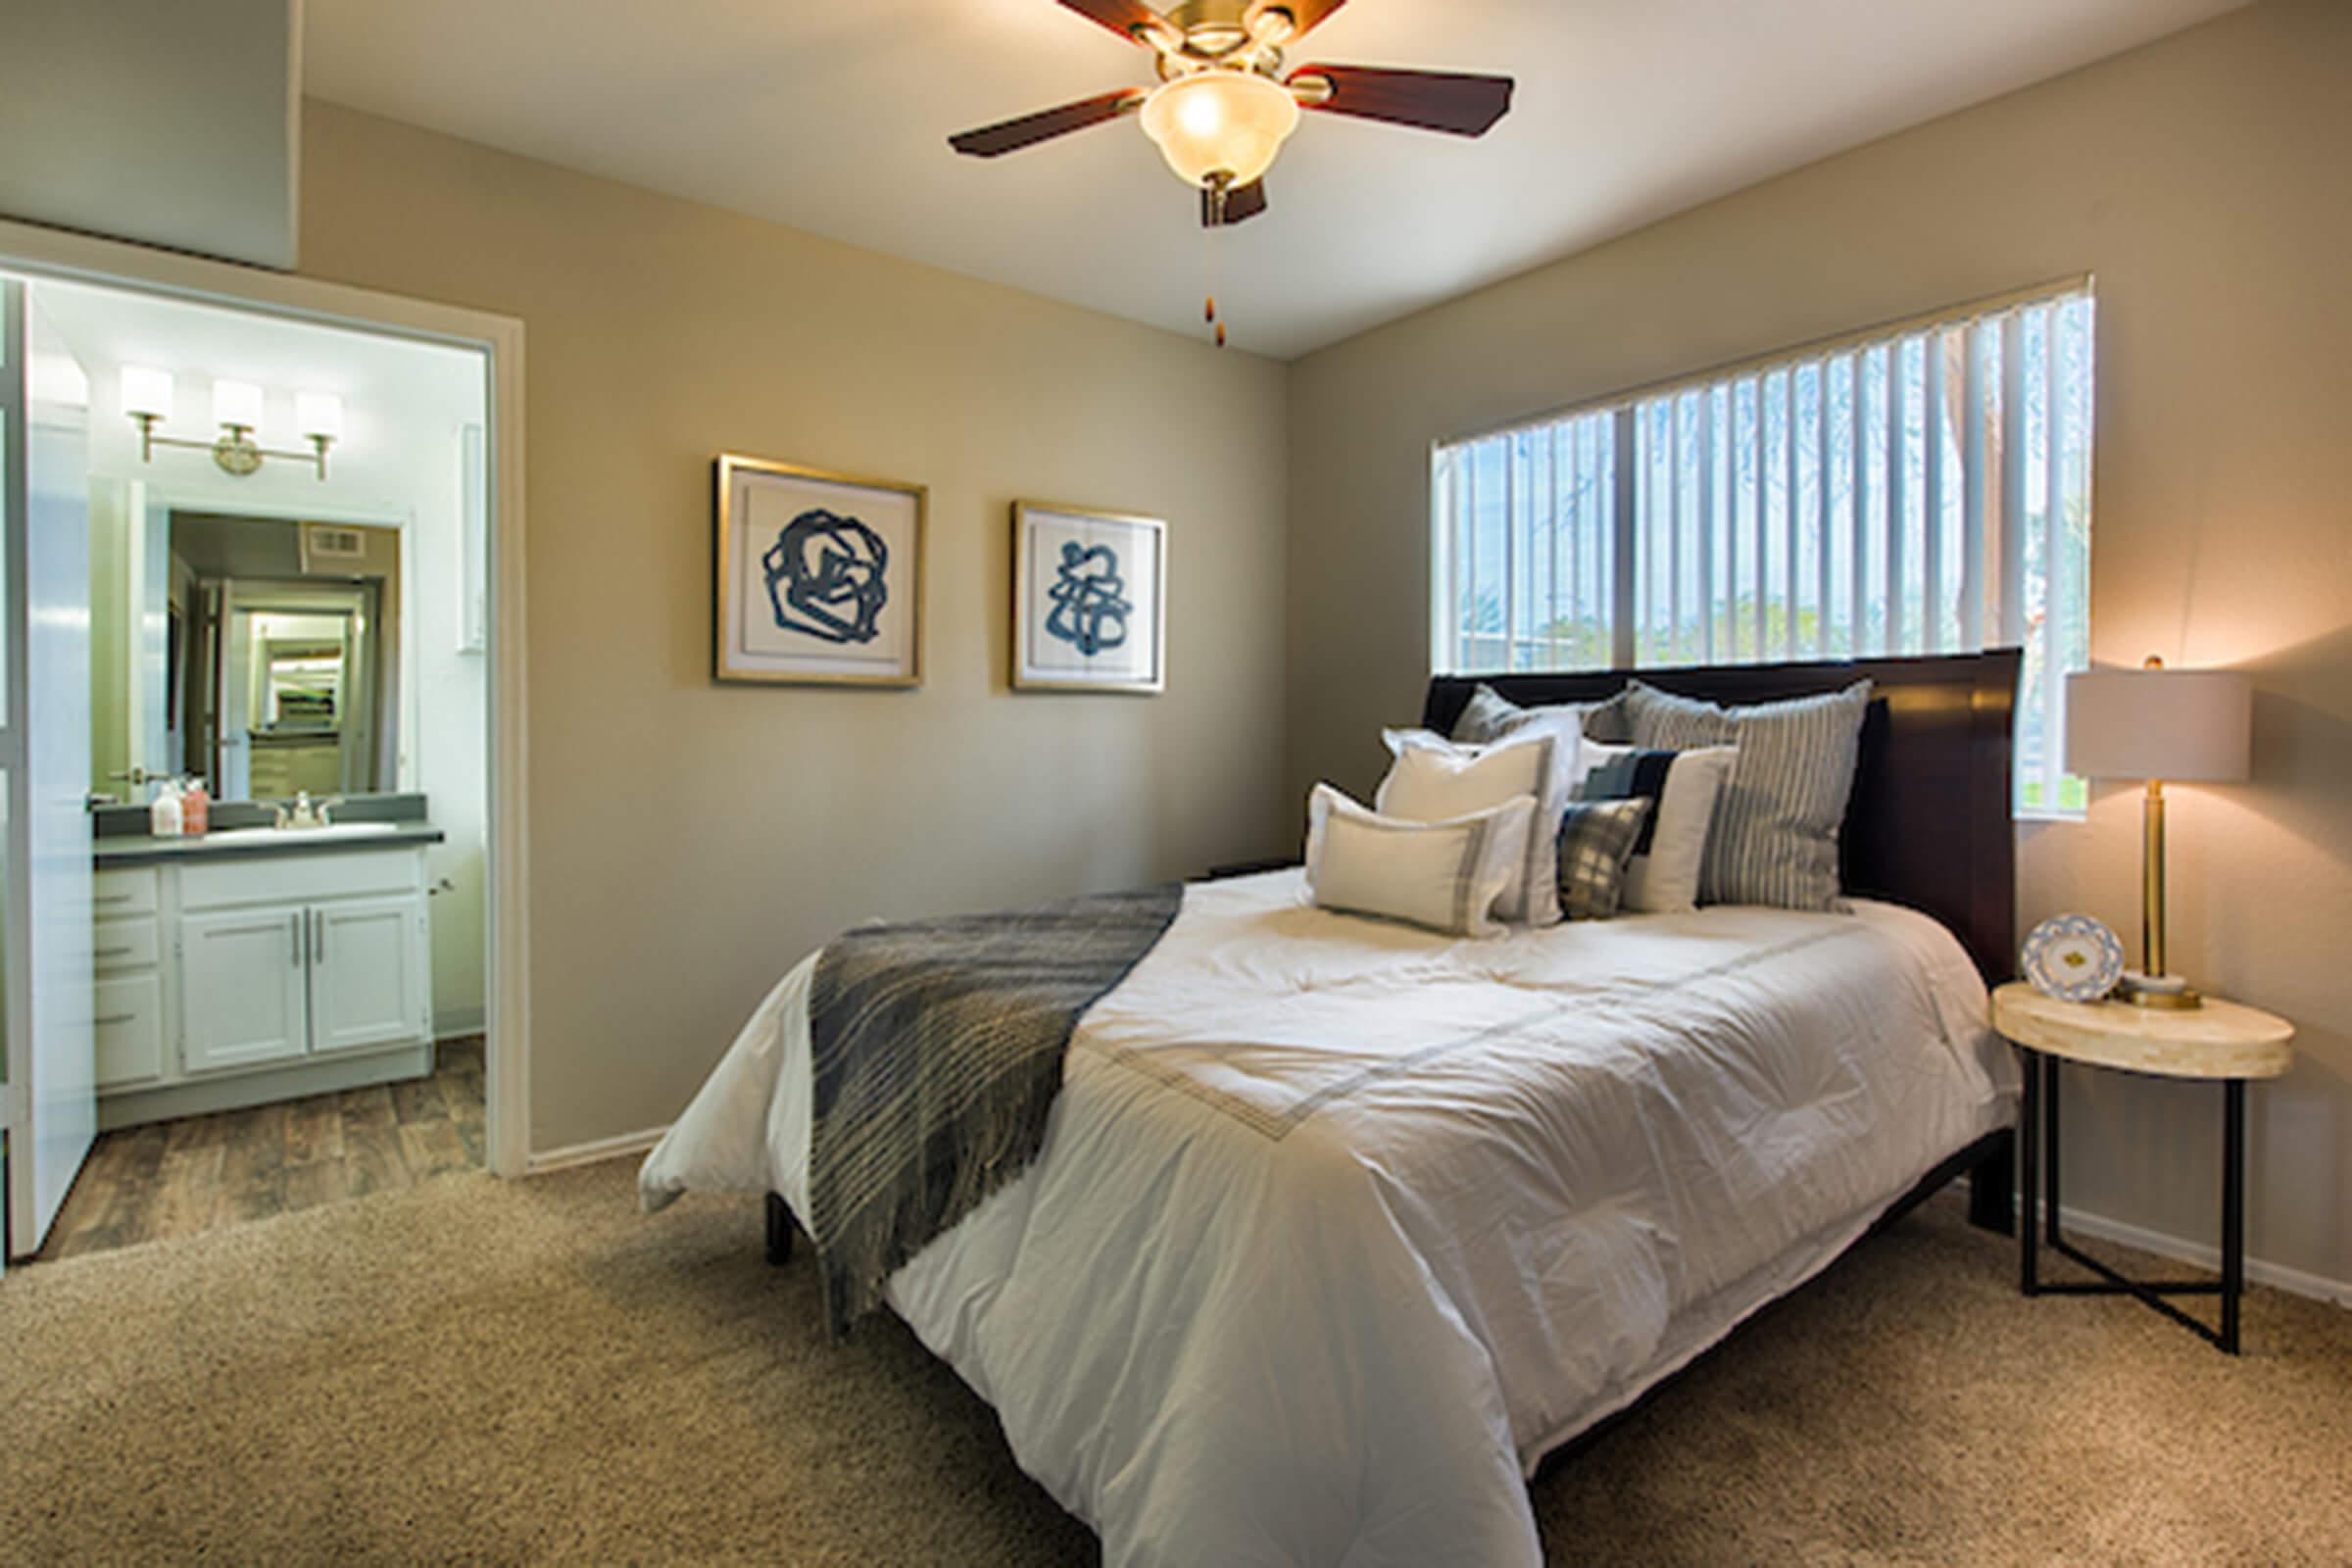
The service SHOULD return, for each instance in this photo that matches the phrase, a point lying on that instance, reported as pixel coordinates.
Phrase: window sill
(2026, 817)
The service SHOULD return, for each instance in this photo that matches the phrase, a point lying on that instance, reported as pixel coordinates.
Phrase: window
(1920, 489)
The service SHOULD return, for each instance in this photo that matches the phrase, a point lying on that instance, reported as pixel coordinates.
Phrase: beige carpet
(472, 1371)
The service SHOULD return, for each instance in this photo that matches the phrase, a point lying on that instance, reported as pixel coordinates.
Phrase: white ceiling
(832, 115)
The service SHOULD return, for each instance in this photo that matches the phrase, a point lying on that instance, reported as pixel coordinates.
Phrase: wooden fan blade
(1432, 100)
(1131, 20)
(1306, 15)
(1242, 203)
(995, 141)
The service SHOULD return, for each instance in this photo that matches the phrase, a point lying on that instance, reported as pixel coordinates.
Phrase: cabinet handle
(319, 940)
(294, 935)
(112, 898)
(112, 1019)
(109, 953)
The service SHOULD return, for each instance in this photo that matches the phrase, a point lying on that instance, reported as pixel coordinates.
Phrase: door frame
(37, 253)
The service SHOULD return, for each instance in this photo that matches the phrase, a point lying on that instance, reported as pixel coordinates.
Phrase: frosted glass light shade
(237, 403)
(318, 414)
(146, 391)
(2186, 725)
(1213, 122)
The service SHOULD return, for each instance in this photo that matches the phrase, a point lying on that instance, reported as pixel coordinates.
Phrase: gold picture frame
(1090, 600)
(836, 597)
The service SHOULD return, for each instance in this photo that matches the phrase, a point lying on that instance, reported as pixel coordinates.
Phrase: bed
(1340, 1228)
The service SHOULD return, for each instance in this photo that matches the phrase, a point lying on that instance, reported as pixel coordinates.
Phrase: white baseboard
(588, 1153)
(2201, 1255)
(457, 1023)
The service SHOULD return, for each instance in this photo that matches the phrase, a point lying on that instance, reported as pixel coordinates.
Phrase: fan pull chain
(1216, 226)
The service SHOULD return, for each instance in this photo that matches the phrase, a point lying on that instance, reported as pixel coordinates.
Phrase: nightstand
(2219, 1043)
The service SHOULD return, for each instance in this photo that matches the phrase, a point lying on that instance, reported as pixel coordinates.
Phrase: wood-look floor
(176, 1178)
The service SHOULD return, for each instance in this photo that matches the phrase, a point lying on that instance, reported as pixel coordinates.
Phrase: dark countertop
(120, 849)
(121, 836)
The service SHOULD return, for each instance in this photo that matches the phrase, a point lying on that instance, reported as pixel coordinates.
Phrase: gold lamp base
(2177, 997)
(2152, 986)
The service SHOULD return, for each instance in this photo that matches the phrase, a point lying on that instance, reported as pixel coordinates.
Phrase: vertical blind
(1921, 490)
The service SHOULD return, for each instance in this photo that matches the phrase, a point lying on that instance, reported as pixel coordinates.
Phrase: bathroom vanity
(258, 964)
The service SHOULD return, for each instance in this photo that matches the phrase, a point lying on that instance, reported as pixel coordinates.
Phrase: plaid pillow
(1596, 840)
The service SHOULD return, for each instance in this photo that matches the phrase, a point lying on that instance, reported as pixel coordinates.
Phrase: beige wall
(2204, 179)
(691, 841)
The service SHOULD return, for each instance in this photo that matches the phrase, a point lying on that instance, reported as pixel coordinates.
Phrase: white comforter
(1339, 1227)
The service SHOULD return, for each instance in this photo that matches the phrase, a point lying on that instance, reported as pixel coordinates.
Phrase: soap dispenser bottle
(195, 809)
(164, 816)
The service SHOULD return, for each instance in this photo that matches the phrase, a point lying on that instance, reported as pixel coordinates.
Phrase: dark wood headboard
(1928, 822)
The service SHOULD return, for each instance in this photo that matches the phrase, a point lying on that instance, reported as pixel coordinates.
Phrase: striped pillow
(1776, 827)
(1490, 715)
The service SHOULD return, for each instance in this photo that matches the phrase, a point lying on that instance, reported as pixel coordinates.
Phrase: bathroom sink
(335, 830)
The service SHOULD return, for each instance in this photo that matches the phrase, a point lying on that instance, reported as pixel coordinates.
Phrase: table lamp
(2154, 724)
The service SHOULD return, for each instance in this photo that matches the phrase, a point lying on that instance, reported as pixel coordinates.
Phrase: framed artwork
(819, 576)
(1089, 600)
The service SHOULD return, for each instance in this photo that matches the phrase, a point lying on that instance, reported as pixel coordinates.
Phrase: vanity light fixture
(147, 395)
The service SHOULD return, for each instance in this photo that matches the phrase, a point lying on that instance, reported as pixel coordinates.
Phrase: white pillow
(1663, 877)
(1443, 875)
(1436, 780)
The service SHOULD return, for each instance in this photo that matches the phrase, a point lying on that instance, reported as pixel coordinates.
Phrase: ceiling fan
(1224, 106)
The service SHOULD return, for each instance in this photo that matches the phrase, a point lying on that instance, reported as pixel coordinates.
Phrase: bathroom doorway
(312, 999)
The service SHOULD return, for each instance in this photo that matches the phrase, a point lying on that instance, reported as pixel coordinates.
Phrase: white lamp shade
(237, 403)
(2190, 725)
(146, 391)
(318, 414)
(1228, 122)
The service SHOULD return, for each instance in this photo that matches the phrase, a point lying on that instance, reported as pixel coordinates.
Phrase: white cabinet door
(367, 973)
(241, 988)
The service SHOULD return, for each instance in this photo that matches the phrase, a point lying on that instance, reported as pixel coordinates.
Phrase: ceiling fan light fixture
(1217, 126)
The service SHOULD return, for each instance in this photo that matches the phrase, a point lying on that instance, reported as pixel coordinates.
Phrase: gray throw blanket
(936, 1052)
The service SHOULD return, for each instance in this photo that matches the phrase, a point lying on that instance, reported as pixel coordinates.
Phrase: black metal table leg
(2049, 1149)
(2233, 1207)
(2028, 1145)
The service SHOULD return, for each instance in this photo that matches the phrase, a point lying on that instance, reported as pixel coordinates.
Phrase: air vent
(328, 548)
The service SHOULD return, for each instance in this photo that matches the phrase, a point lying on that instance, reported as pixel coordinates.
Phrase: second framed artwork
(1089, 600)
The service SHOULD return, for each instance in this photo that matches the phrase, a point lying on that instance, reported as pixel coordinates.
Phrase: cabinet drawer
(295, 879)
(130, 1030)
(130, 891)
(132, 943)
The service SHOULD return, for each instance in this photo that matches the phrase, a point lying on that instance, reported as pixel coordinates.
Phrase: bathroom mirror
(273, 668)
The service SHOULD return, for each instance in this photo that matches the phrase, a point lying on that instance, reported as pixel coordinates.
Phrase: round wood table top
(2219, 1040)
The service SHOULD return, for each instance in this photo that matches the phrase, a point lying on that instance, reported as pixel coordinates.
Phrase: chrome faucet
(306, 812)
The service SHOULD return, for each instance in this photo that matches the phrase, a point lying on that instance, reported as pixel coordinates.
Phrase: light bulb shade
(237, 403)
(1219, 123)
(146, 392)
(2190, 725)
(319, 414)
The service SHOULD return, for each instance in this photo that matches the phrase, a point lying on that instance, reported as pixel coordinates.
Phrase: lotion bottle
(164, 818)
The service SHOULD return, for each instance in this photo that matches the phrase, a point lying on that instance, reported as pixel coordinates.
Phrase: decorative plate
(2074, 958)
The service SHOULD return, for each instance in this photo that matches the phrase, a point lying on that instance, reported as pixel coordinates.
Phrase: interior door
(367, 973)
(232, 696)
(243, 991)
(52, 1050)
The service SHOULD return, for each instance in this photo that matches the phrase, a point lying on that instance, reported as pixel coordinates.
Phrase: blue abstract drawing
(827, 577)
(1090, 604)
